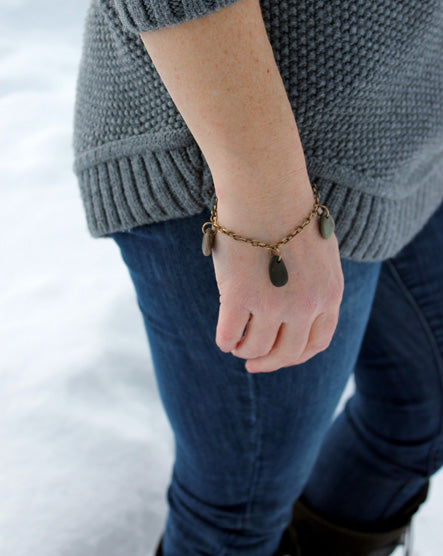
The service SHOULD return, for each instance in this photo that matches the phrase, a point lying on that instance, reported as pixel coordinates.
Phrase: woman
(284, 114)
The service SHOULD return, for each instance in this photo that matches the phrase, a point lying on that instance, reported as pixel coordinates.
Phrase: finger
(320, 336)
(289, 345)
(230, 326)
(259, 337)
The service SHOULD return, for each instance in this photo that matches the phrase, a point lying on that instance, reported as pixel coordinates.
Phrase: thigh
(387, 441)
(244, 442)
(399, 373)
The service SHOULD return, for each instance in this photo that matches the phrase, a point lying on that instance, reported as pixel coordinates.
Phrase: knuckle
(266, 305)
(292, 358)
(250, 350)
(222, 346)
(309, 302)
(249, 299)
(224, 339)
(241, 352)
(255, 353)
(274, 314)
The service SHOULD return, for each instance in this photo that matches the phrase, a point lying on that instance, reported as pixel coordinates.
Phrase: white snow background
(85, 447)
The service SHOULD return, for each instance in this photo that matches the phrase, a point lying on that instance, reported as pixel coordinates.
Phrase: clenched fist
(286, 325)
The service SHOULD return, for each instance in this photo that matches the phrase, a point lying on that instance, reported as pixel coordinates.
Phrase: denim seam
(254, 438)
(433, 452)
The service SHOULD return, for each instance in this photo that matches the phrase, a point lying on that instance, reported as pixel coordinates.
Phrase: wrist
(267, 215)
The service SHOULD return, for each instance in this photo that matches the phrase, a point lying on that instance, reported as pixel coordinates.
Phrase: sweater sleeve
(147, 15)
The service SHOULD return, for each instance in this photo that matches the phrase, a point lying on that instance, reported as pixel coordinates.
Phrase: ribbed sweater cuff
(147, 15)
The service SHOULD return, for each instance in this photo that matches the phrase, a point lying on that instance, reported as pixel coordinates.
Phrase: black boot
(288, 546)
(313, 535)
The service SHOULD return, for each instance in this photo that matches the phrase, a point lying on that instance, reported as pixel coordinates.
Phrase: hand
(285, 325)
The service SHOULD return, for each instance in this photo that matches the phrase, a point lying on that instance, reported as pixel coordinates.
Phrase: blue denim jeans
(247, 445)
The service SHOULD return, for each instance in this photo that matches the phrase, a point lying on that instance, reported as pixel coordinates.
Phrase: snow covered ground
(85, 448)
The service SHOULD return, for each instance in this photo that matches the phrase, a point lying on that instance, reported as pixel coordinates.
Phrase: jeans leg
(388, 440)
(244, 443)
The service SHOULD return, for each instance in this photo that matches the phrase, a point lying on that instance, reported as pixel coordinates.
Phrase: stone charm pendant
(208, 241)
(277, 271)
(327, 224)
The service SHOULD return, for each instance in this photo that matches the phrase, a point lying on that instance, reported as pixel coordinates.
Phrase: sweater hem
(141, 187)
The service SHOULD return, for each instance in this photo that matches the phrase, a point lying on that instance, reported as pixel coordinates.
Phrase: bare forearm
(221, 73)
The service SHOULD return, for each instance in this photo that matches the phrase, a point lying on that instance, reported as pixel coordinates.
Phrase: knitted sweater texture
(364, 79)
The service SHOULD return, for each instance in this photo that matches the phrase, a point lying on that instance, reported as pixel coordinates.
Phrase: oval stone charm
(327, 225)
(208, 241)
(277, 271)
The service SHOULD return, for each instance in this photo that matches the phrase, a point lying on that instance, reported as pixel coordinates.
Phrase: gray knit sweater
(365, 80)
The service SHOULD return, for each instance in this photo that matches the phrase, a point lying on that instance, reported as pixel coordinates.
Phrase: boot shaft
(316, 535)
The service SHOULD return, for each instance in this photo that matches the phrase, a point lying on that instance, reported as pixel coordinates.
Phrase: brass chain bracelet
(277, 268)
